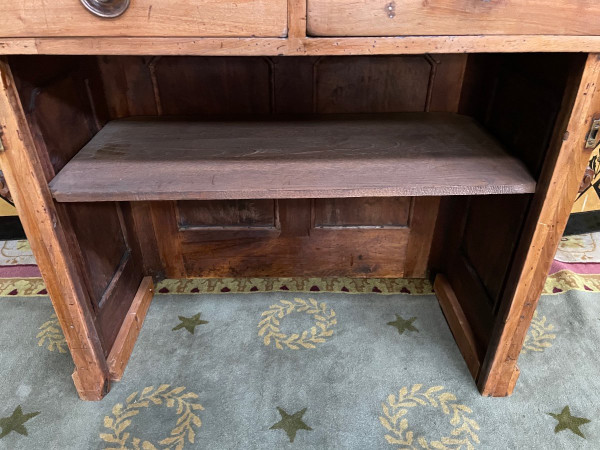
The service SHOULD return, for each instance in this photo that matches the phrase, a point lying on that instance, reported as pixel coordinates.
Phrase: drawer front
(202, 18)
(452, 17)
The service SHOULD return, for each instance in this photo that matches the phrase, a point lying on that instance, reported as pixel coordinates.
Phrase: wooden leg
(547, 219)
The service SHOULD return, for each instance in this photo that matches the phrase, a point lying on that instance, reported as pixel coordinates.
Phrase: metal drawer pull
(106, 8)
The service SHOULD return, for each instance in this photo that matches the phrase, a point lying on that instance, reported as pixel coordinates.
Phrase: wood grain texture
(450, 17)
(406, 45)
(238, 214)
(332, 157)
(545, 224)
(374, 212)
(56, 91)
(166, 235)
(50, 245)
(129, 331)
(423, 218)
(491, 234)
(227, 85)
(101, 243)
(296, 19)
(221, 18)
(117, 298)
(321, 253)
(357, 84)
(458, 323)
(140, 225)
(449, 259)
(288, 83)
(298, 244)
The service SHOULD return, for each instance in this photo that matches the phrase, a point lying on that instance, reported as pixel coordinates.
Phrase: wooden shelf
(414, 154)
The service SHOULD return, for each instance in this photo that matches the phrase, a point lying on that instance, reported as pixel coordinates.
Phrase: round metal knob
(106, 8)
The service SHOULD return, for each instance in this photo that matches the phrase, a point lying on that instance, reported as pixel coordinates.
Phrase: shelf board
(408, 154)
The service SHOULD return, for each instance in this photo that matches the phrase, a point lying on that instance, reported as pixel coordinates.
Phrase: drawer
(202, 18)
(452, 17)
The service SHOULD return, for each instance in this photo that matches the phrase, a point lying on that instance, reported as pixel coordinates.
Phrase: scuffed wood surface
(413, 154)
(397, 45)
(130, 329)
(217, 18)
(451, 17)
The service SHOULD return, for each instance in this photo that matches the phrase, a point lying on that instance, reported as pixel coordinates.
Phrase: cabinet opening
(299, 166)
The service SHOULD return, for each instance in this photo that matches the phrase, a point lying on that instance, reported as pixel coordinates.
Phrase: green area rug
(309, 370)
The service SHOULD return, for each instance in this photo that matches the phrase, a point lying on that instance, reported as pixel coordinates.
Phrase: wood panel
(370, 155)
(191, 86)
(20, 161)
(518, 98)
(100, 239)
(123, 347)
(293, 84)
(450, 17)
(343, 252)
(139, 223)
(450, 260)
(117, 299)
(458, 323)
(491, 233)
(295, 248)
(227, 213)
(286, 85)
(485, 240)
(547, 218)
(65, 108)
(397, 45)
(56, 92)
(374, 84)
(128, 85)
(362, 212)
(301, 246)
(147, 18)
(422, 223)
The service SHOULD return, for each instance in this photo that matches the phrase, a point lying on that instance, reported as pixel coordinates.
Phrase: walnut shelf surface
(409, 154)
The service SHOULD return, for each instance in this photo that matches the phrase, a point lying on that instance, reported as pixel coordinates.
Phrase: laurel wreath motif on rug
(185, 428)
(52, 335)
(539, 336)
(270, 331)
(463, 435)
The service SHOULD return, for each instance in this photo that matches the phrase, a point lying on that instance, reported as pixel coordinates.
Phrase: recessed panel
(208, 85)
(227, 213)
(362, 212)
(373, 84)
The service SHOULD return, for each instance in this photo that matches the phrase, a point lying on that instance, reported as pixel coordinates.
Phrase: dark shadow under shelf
(408, 154)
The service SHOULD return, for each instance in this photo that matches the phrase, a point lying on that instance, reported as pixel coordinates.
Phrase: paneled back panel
(354, 236)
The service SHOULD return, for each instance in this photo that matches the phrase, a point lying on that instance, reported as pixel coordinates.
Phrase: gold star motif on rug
(190, 323)
(403, 325)
(568, 422)
(291, 423)
(15, 422)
